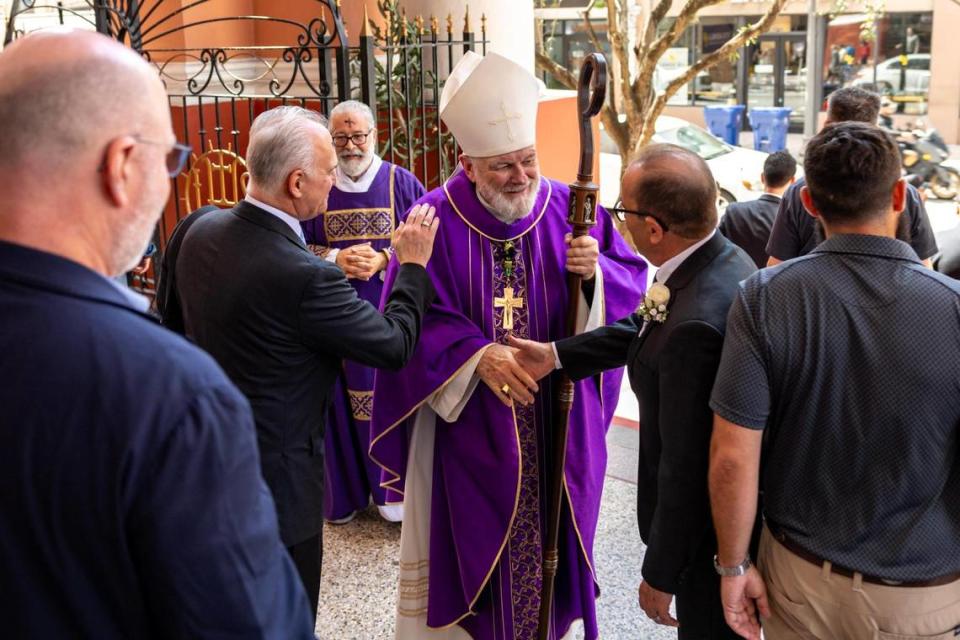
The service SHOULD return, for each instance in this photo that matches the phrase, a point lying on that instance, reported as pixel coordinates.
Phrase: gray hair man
(280, 320)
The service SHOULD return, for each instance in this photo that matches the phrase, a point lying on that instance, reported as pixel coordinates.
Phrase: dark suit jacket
(748, 224)
(671, 367)
(131, 495)
(168, 300)
(279, 320)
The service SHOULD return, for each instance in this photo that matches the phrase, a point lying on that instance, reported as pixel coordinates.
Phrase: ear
(654, 230)
(792, 180)
(118, 169)
(763, 179)
(900, 196)
(469, 167)
(807, 201)
(295, 184)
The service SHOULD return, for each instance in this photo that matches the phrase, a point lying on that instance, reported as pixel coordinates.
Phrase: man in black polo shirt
(796, 233)
(857, 413)
(748, 224)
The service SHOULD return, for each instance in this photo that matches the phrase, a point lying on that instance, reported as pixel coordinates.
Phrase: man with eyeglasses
(280, 320)
(132, 499)
(366, 203)
(671, 347)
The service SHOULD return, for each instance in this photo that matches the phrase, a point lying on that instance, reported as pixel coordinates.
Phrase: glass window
(895, 61)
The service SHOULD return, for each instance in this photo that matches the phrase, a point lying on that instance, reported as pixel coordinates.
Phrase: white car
(888, 74)
(737, 170)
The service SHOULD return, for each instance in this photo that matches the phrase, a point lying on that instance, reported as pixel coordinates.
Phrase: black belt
(812, 558)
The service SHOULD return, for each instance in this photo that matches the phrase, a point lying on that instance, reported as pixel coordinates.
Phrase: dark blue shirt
(849, 358)
(796, 233)
(131, 498)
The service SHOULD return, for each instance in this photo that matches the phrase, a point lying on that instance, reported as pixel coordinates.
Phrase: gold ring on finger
(505, 389)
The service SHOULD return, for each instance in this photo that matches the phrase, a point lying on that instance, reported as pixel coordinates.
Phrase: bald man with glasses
(671, 348)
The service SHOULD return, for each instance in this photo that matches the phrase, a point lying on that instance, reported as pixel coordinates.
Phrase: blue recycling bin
(770, 125)
(725, 122)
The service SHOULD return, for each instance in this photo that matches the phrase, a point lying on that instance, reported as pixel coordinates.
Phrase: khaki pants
(811, 603)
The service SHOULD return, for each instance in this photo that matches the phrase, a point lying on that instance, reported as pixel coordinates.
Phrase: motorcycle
(923, 153)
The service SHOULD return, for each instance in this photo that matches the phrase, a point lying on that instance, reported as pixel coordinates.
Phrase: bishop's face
(507, 182)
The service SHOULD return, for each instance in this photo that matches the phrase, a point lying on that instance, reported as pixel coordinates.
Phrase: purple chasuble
(351, 477)
(492, 465)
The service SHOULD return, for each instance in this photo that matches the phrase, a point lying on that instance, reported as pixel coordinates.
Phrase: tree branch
(726, 51)
(653, 53)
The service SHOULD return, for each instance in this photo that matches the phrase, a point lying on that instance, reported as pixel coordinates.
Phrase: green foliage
(400, 97)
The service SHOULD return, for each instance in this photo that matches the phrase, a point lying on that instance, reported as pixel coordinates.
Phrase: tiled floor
(360, 559)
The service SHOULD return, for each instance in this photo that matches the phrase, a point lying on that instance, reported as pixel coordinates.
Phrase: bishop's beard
(508, 209)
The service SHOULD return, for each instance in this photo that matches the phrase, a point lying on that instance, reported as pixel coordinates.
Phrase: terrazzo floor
(360, 563)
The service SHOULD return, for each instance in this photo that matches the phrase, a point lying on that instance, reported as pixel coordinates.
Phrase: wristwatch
(729, 572)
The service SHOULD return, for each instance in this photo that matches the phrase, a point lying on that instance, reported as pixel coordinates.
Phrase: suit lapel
(677, 281)
(267, 220)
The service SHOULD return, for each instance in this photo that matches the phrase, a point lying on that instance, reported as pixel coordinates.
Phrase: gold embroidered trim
(411, 613)
(421, 564)
(319, 250)
(394, 476)
(361, 404)
(376, 223)
(546, 203)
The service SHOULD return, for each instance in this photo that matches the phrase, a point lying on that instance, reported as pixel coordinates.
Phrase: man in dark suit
(748, 224)
(130, 488)
(279, 319)
(168, 299)
(669, 199)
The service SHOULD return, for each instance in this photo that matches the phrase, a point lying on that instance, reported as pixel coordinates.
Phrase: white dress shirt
(663, 274)
(288, 219)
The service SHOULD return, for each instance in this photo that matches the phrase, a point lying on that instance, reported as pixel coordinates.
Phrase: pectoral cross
(507, 117)
(508, 303)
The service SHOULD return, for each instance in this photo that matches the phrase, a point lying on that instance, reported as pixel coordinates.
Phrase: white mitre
(490, 105)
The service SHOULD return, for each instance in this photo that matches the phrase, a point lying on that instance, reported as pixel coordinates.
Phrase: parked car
(889, 72)
(737, 170)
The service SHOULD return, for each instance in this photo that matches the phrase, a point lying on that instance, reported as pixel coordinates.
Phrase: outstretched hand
(413, 240)
(536, 358)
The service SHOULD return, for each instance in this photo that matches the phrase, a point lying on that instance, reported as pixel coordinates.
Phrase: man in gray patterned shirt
(843, 368)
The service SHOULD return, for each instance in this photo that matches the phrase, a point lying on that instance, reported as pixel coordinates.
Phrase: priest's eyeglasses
(340, 140)
(622, 213)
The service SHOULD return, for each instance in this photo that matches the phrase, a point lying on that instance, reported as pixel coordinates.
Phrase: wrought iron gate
(217, 82)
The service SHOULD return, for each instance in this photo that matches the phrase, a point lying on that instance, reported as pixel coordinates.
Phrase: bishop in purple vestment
(364, 205)
(456, 430)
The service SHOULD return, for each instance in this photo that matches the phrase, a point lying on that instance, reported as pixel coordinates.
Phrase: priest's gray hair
(278, 145)
(354, 106)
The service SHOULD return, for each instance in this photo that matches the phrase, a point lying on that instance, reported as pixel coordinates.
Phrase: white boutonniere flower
(654, 305)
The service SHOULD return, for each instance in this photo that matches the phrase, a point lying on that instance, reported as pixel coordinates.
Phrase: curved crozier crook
(591, 94)
(592, 73)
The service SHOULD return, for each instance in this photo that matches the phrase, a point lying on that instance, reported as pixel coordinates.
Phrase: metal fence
(300, 55)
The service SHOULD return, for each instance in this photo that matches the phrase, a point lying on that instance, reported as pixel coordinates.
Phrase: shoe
(344, 520)
(391, 512)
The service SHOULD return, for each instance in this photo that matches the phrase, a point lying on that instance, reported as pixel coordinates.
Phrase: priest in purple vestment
(463, 432)
(368, 198)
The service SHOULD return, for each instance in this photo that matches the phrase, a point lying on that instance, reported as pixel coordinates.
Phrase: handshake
(512, 370)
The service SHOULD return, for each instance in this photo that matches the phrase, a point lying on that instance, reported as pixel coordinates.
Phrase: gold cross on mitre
(508, 303)
(507, 117)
